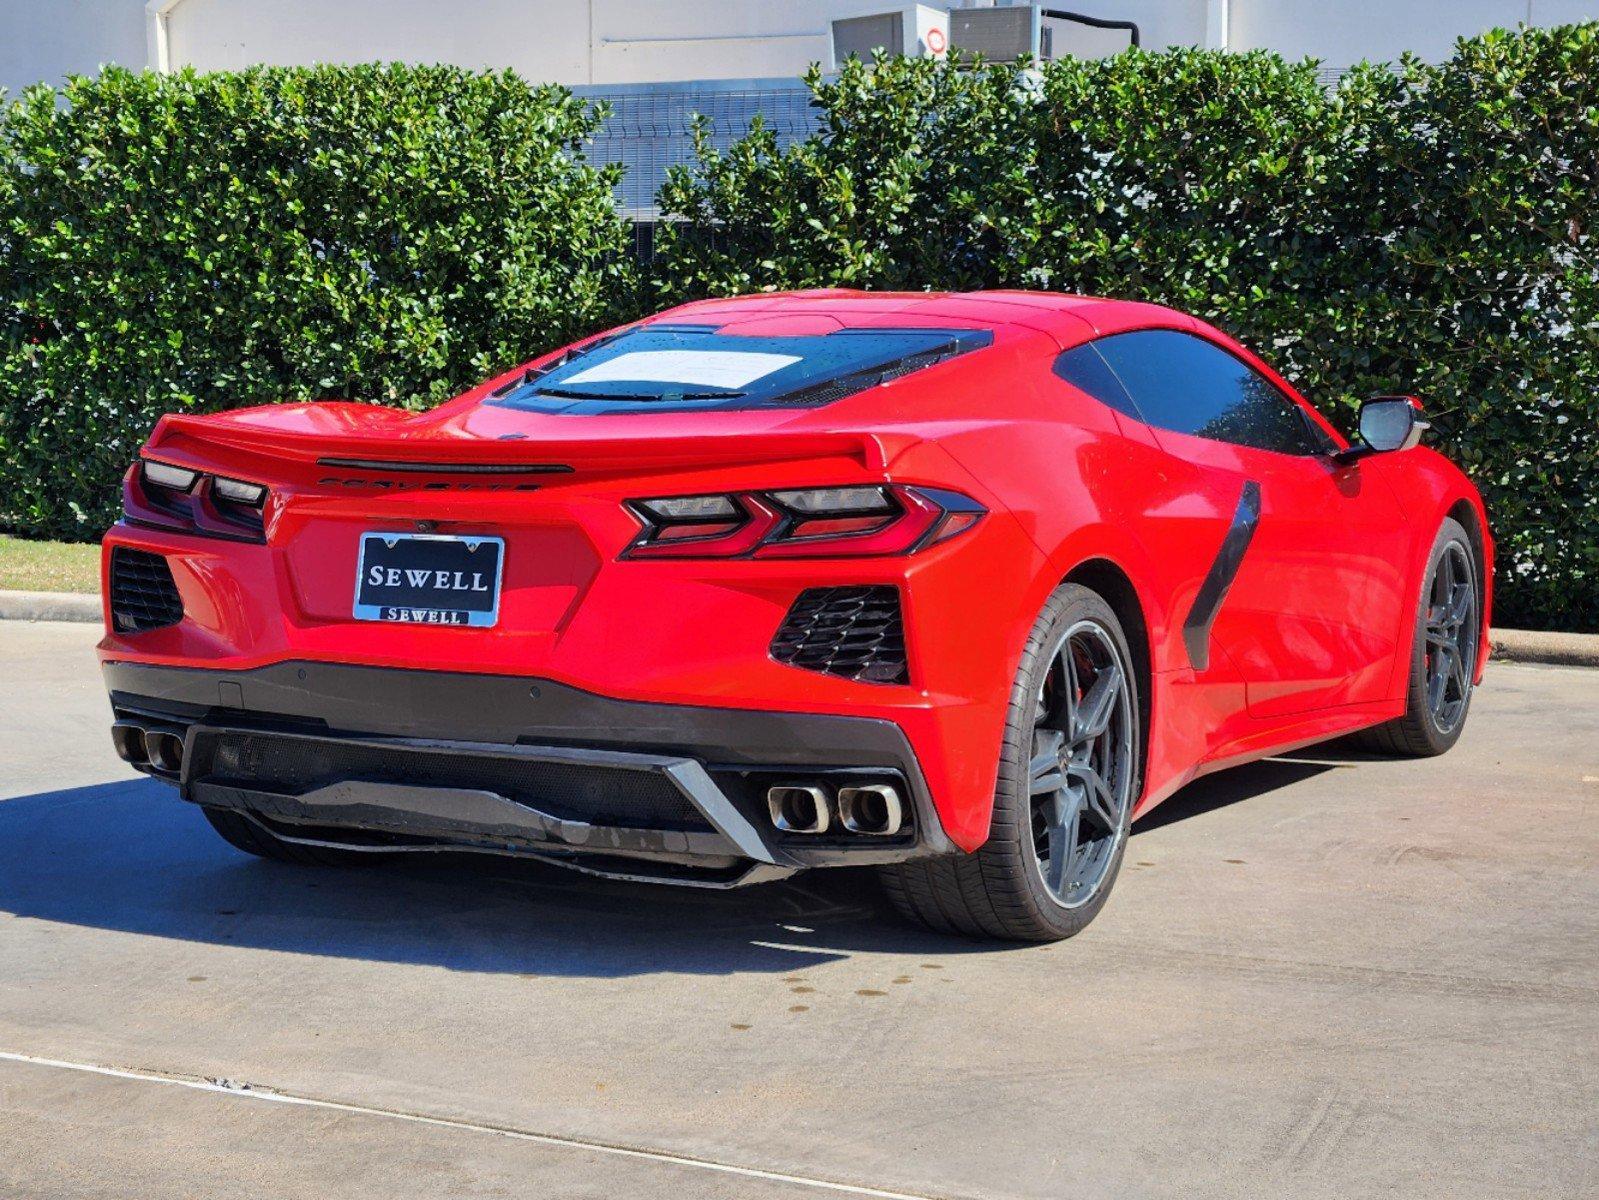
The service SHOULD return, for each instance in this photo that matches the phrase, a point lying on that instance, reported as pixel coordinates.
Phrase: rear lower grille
(597, 795)
(143, 595)
(855, 632)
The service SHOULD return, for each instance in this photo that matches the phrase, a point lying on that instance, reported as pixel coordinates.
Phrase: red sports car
(956, 585)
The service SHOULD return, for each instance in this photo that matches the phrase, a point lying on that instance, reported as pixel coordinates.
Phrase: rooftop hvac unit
(1005, 34)
(914, 29)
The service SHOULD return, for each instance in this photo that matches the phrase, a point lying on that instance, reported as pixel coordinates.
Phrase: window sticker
(701, 368)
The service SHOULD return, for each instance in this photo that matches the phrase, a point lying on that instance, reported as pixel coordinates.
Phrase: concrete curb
(50, 606)
(1509, 645)
(1560, 649)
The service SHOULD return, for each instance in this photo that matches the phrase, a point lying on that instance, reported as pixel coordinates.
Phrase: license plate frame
(419, 580)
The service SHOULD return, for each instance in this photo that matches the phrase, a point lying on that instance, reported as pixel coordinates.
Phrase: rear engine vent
(143, 595)
(855, 632)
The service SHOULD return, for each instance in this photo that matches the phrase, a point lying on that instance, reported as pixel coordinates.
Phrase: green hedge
(394, 233)
(1418, 229)
(200, 242)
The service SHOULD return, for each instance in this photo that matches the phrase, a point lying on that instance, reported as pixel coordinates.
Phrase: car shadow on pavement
(129, 856)
(1228, 787)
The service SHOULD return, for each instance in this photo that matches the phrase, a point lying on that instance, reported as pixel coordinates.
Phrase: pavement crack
(225, 1086)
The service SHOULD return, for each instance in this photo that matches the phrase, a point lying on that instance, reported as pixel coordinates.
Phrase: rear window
(660, 367)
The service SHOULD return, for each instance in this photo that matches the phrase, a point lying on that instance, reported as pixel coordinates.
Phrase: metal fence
(648, 129)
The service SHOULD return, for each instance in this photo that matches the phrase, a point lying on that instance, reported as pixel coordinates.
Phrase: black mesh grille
(598, 795)
(855, 632)
(143, 595)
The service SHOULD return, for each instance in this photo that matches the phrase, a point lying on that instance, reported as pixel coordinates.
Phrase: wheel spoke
(1098, 803)
(1043, 772)
(1062, 841)
(1068, 687)
(1057, 700)
(1460, 604)
(1438, 680)
(1098, 703)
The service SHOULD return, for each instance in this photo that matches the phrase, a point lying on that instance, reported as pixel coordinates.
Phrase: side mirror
(1387, 423)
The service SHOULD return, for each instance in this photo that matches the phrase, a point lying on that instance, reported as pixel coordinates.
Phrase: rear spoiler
(371, 438)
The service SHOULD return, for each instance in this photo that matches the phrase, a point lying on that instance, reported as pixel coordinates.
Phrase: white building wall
(1348, 31)
(545, 41)
(559, 41)
(48, 41)
(631, 41)
(636, 41)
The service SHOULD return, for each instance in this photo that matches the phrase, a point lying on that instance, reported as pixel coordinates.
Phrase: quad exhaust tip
(799, 809)
(166, 752)
(873, 809)
(128, 739)
(141, 747)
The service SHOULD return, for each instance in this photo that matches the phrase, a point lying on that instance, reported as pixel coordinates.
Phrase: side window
(1184, 383)
(1085, 370)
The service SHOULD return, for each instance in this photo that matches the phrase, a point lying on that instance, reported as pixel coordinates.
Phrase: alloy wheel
(1081, 773)
(1450, 629)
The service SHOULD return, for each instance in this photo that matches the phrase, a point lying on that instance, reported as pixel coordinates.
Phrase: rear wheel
(1068, 776)
(244, 834)
(1444, 659)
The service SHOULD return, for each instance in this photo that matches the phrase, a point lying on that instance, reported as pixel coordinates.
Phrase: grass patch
(49, 566)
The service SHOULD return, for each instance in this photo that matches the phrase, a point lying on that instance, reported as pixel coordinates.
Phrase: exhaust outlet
(797, 809)
(128, 739)
(873, 809)
(166, 751)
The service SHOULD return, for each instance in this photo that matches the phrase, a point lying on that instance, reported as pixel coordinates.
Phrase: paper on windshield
(703, 368)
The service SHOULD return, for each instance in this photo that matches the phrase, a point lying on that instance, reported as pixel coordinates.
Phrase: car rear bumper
(397, 759)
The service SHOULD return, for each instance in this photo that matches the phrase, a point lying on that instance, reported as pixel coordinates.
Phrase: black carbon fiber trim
(337, 699)
(1197, 626)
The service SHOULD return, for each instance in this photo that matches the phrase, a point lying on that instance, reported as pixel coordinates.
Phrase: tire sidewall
(1068, 606)
(1450, 532)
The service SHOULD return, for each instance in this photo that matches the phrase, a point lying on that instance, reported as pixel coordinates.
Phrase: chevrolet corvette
(953, 585)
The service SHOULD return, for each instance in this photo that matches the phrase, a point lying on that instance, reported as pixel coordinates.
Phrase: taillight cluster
(831, 522)
(163, 496)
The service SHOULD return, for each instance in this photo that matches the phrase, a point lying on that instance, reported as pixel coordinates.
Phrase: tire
(244, 834)
(1428, 728)
(1004, 889)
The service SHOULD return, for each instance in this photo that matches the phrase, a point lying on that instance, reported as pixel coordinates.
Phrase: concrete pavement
(1319, 976)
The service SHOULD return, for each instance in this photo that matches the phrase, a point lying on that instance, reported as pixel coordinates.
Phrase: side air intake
(853, 632)
(143, 595)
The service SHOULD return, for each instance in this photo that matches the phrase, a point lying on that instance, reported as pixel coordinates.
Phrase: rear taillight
(834, 522)
(164, 496)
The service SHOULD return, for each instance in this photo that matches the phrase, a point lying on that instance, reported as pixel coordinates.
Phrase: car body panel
(1311, 639)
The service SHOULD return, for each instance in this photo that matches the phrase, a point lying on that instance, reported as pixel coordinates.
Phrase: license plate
(429, 579)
